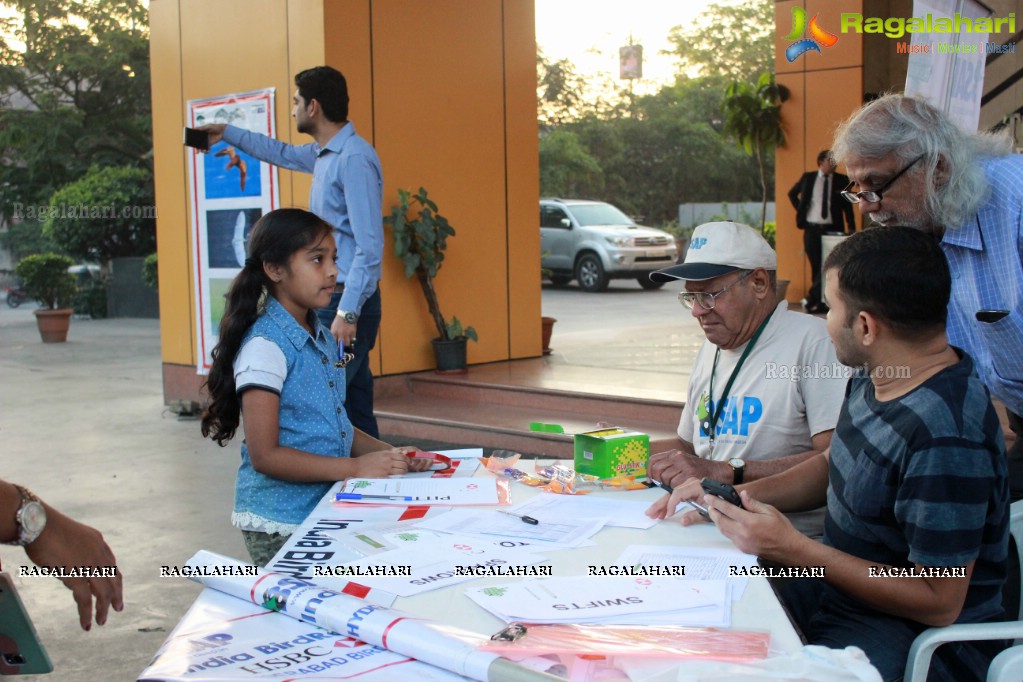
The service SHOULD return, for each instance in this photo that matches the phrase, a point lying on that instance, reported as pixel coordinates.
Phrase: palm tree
(753, 119)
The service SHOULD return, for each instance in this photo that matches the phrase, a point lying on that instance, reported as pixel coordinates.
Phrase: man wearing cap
(766, 387)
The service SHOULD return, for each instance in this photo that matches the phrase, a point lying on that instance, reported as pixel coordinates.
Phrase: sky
(589, 32)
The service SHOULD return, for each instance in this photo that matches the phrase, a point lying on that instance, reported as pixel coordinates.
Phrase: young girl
(277, 368)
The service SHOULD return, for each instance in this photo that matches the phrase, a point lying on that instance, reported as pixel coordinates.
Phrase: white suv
(593, 242)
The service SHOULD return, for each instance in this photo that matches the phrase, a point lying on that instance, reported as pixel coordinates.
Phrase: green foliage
(729, 41)
(455, 330)
(91, 300)
(108, 213)
(74, 92)
(666, 154)
(151, 272)
(770, 232)
(420, 239)
(46, 279)
(753, 120)
(567, 169)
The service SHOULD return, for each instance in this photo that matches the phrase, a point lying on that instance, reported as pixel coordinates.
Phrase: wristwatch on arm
(348, 316)
(30, 518)
(738, 469)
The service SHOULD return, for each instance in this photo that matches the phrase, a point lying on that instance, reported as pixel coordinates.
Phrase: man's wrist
(349, 316)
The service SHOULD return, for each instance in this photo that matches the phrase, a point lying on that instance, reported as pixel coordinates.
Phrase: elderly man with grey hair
(911, 165)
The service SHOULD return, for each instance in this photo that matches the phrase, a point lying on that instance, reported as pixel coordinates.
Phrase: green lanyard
(711, 423)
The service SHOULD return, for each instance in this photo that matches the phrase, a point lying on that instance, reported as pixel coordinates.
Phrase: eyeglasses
(874, 196)
(705, 298)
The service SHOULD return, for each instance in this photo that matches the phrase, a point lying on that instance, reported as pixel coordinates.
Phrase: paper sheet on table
(551, 532)
(620, 599)
(461, 467)
(431, 568)
(618, 513)
(428, 491)
(702, 563)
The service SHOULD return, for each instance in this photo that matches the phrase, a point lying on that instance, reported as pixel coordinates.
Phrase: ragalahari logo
(818, 36)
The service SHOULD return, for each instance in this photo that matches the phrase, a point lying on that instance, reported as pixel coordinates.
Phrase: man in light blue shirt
(915, 167)
(347, 192)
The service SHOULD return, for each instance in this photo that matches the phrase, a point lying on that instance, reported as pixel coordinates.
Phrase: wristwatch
(738, 469)
(348, 316)
(30, 518)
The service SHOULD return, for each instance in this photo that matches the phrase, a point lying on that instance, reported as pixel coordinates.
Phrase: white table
(758, 609)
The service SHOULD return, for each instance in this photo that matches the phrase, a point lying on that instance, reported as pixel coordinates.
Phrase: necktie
(824, 197)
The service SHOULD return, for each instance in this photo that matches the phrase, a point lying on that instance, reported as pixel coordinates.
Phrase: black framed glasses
(874, 196)
(706, 299)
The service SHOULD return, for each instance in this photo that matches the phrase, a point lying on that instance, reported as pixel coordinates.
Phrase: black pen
(525, 519)
(695, 505)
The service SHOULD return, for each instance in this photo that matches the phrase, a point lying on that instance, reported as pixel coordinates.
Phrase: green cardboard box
(612, 452)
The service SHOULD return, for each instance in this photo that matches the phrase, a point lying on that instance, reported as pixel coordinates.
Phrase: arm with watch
(683, 471)
(54, 540)
(677, 466)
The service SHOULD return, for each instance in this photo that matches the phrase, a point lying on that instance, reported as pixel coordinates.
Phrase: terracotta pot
(53, 324)
(546, 328)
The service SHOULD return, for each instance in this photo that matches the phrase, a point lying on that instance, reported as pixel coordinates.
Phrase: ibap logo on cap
(698, 243)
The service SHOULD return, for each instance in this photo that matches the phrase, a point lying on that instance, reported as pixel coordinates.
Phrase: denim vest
(312, 418)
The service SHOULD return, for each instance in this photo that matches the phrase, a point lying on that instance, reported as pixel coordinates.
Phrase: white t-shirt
(790, 388)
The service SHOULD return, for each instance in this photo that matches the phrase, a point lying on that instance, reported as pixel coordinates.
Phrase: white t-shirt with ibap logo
(790, 388)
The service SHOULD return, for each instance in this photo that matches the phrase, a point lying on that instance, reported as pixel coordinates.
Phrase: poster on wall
(229, 191)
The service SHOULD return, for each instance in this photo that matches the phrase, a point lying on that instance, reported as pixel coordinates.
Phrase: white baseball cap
(716, 249)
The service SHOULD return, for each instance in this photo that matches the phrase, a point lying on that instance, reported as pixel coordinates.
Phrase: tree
(567, 169)
(753, 119)
(74, 92)
(106, 214)
(732, 41)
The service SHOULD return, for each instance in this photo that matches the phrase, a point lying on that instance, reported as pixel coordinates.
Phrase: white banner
(947, 69)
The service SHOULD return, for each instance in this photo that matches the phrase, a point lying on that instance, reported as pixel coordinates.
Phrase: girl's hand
(381, 464)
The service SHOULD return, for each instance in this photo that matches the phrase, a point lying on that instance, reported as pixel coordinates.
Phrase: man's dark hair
(897, 274)
(825, 154)
(327, 86)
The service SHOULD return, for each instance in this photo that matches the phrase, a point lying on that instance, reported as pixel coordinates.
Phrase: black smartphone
(722, 490)
(200, 139)
(21, 651)
(991, 315)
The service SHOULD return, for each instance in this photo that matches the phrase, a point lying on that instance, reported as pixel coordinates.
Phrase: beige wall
(444, 90)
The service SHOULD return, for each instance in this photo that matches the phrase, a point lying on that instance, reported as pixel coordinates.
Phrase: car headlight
(619, 241)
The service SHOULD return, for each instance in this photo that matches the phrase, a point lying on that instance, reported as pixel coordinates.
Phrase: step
(493, 405)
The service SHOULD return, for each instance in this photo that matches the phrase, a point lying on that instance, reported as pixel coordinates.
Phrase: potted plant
(46, 278)
(420, 238)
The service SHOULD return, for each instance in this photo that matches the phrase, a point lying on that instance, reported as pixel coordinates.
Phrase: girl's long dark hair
(274, 238)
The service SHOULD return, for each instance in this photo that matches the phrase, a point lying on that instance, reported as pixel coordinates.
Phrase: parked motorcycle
(15, 296)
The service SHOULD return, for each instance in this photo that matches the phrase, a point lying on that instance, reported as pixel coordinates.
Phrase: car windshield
(599, 214)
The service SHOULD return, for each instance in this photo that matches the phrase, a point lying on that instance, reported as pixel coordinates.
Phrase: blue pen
(360, 496)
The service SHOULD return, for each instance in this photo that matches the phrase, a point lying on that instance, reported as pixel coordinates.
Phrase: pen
(360, 496)
(525, 519)
(695, 505)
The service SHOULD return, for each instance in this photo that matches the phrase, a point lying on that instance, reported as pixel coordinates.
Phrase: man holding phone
(347, 192)
(916, 533)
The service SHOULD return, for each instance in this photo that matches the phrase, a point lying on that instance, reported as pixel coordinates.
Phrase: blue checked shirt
(986, 259)
(347, 192)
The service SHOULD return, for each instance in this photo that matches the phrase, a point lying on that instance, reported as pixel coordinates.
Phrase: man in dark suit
(820, 208)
